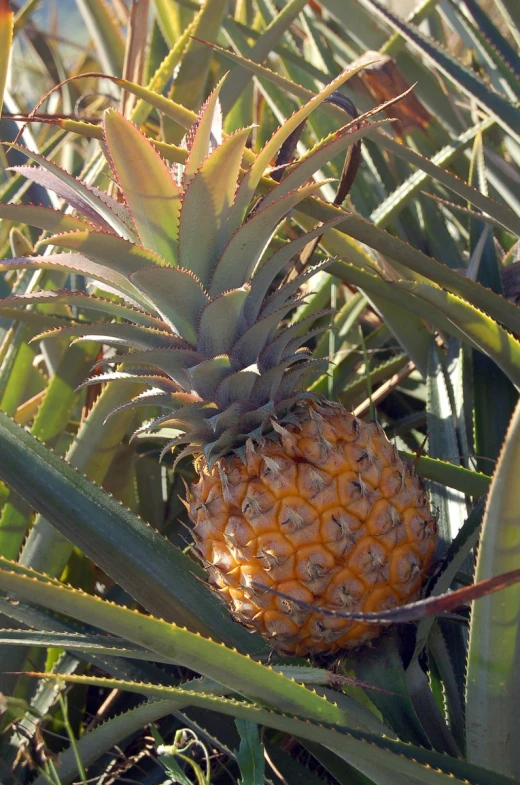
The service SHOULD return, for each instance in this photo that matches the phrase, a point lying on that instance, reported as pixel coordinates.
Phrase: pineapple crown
(182, 257)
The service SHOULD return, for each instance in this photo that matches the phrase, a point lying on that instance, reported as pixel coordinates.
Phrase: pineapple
(322, 511)
(294, 494)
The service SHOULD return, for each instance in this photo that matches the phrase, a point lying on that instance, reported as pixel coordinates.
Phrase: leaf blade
(505, 113)
(47, 480)
(149, 189)
(493, 686)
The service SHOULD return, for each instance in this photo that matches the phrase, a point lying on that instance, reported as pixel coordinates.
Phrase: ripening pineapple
(326, 515)
(294, 493)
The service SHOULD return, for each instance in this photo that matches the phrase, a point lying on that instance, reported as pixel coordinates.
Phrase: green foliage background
(141, 674)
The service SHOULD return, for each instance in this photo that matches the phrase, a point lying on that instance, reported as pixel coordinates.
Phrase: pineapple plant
(205, 333)
(298, 504)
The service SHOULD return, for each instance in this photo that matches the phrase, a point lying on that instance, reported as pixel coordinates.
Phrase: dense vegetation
(118, 663)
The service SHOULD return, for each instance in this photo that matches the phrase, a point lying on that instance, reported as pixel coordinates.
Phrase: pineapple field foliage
(117, 661)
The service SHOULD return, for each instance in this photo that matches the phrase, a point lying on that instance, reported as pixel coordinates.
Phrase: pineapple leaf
(452, 678)
(358, 386)
(139, 375)
(220, 322)
(293, 348)
(189, 84)
(86, 200)
(211, 194)
(116, 666)
(114, 252)
(271, 267)
(255, 338)
(49, 423)
(92, 451)
(268, 383)
(186, 648)
(189, 418)
(200, 134)
(40, 320)
(175, 402)
(106, 735)
(383, 214)
(284, 292)
(460, 548)
(90, 643)
(277, 26)
(235, 387)
(290, 339)
(499, 212)
(149, 189)
(385, 761)
(178, 296)
(106, 33)
(250, 182)
(159, 576)
(170, 18)
(173, 362)
(498, 44)
(207, 375)
(304, 370)
(399, 196)
(239, 260)
(443, 439)
(250, 755)
(492, 673)
(118, 334)
(42, 217)
(170, 152)
(185, 430)
(500, 309)
(394, 248)
(384, 670)
(470, 482)
(475, 326)
(505, 113)
(76, 263)
(151, 95)
(431, 715)
(336, 143)
(79, 300)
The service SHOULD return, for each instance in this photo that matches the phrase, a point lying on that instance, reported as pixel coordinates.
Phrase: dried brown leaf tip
(384, 81)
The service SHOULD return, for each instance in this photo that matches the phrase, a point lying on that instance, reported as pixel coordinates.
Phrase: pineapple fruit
(294, 494)
(325, 514)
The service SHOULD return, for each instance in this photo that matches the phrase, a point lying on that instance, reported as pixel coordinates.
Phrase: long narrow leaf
(493, 690)
(160, 577)
(147, 185)
(386, 762)
(506, 114)
(226, 666)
